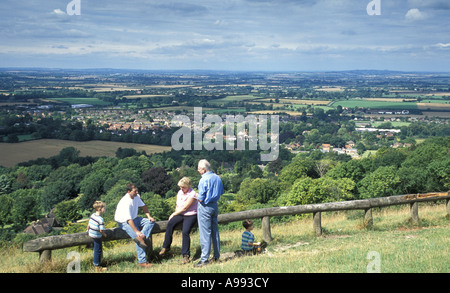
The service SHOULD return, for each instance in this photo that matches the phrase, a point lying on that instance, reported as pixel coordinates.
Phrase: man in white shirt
(138, 228)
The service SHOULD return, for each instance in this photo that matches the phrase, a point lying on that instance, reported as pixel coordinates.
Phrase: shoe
(215, 260)
(185, 260)
(99, 269)
(201, 264)
(140, 242)
(146, 265)
(163, 251)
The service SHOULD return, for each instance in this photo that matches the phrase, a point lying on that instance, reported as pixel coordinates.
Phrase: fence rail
(45, 245)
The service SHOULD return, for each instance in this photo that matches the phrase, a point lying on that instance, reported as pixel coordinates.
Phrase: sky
(241, 35)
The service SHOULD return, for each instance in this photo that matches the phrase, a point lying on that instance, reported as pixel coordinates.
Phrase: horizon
(218, 70)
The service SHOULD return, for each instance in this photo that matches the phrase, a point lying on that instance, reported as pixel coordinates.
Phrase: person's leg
(204, 225)
(188, 224)
(97, 251)
(146, 227)
(215, 231)
(169, 230)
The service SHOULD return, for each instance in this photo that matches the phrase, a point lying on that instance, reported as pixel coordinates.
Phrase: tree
(26, 205)
(157, 180)
(307, 190)
(6, 204)
(257, 191)
(298, 168)
(91, 188)
(382, 182)
(67, 211)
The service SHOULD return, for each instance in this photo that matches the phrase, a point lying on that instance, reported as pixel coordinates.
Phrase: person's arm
(186, 206)
(133, 226)
(147, 213)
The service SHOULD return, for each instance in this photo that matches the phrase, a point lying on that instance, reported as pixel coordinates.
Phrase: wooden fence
(45, 245)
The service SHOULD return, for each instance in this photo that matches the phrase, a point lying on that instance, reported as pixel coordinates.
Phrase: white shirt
(127, 208)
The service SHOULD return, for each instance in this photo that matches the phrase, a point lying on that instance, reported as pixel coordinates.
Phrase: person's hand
(151, 219)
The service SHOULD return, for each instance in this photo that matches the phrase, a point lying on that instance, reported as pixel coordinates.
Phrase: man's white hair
(204, 164)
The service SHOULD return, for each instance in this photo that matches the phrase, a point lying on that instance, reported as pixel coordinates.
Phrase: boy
(96, 230)
(248, 245)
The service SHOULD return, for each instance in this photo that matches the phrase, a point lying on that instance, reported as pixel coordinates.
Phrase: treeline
(69, 184)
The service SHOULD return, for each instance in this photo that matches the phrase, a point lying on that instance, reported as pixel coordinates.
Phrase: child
(96, 230)
(248, 245)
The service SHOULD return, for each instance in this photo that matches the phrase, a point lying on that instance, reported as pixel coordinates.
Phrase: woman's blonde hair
(184, 182)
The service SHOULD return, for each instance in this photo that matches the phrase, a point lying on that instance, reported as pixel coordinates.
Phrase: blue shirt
(210, 188)
(246, 238)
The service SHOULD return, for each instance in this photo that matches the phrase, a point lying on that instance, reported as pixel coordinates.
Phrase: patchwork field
(14, 153)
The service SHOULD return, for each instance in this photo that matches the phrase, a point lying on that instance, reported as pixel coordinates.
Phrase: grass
(343, 248)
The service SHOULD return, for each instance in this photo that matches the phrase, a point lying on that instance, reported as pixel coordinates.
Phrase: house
(326, 147)
(43, 225)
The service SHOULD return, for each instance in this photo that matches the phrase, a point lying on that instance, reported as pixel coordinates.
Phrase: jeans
(209, 229)
(146, 228)
(188, 224)
(97, 251)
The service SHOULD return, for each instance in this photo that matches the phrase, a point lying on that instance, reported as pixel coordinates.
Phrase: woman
(185, 213)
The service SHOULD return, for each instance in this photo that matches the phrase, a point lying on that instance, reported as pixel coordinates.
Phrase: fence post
(267, 234)
(317, 223)
(414, 207)
(448, 207)
(368, 217)
(45, 255)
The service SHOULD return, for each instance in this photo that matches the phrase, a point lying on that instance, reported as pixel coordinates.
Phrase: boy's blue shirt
(210, 188)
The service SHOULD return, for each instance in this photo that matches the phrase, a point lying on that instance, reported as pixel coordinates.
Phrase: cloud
(58, 12)
(415, 15)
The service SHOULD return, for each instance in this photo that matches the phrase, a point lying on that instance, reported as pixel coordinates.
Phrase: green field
(376, 104)
(74, 100)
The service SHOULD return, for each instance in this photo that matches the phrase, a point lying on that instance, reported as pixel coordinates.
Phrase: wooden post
(414, 207)
(317, 223)
(448, 207)
(368, 217)
(267, 234)
(45, 255)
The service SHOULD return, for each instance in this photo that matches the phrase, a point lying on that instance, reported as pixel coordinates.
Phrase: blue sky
(272, 35)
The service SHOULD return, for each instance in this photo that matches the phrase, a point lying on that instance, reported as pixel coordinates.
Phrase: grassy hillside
(344, 247)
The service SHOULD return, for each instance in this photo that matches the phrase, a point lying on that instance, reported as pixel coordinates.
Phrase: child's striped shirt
(96, 223)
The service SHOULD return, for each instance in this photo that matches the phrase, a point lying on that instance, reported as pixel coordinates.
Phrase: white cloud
(414, 15)
(58, 12)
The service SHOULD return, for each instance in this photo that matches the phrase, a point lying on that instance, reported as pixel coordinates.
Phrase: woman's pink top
(182, 198)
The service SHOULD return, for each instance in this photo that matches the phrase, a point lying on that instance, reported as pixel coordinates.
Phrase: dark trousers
(98, 251)
(188, 224)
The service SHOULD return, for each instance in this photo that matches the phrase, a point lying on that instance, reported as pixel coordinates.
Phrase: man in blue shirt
(210, 188)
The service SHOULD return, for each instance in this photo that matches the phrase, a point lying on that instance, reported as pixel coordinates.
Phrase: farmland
(12, 154)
